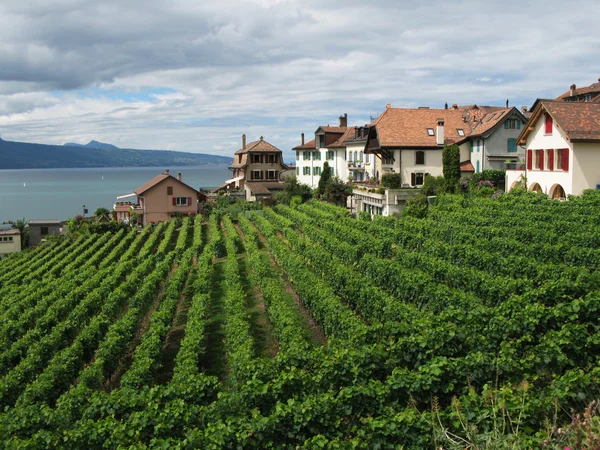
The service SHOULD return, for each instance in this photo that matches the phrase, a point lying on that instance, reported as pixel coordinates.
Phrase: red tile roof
(407, 127)
(580, 121)
(594, 87)
(258, 146)
(156, 180)
(310, 145)
(339, 143)
(466, 166)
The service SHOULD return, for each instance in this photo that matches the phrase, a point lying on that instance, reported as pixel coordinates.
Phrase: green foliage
(337, 191)
(451, 166)
(102, 212)
(292, 188)
(392, 180)
(416, 207)
(497, 177)
(326, 175)
(433, 185)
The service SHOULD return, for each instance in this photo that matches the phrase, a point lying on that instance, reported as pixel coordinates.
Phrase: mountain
(93, 144)
(21, 155)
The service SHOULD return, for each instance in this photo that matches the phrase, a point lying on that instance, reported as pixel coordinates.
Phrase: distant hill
(92, 144)
(21, 155)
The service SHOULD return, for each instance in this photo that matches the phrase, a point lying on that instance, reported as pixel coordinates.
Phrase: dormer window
(321, 140)
(512, 124)
(430, 132)
(460, 132)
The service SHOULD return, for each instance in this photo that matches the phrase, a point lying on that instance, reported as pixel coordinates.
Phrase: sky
(195, 75)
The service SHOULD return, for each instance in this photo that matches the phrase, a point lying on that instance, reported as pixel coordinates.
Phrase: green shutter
(518, 124)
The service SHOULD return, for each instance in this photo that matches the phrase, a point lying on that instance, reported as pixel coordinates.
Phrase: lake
(61, 193)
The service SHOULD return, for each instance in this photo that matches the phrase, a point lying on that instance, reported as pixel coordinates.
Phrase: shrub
(392, 180)
(417, 207)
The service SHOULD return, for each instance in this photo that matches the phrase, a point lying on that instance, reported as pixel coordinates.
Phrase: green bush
(433, 185)
(392, 180)
(417, 207)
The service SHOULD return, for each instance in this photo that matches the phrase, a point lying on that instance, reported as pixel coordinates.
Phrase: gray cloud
(272, 68)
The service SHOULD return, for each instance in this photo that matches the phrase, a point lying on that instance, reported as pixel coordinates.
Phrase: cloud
(196, 75)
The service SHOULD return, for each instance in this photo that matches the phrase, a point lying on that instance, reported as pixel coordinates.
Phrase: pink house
(158, 200)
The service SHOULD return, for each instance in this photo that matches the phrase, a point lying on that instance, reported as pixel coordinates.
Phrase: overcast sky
(194, 75)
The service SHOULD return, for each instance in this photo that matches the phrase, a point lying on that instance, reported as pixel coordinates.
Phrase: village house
(158, 200)
(562, 144)
(40, 229)
(258, 170)
(342, 147)
(10, 241)
(589, 93)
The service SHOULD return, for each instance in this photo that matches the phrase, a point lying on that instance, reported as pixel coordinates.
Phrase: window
(548, 124)
(297, 170)
(512, 124)
(271, 174)
(562, 159)
(182, 201)
(321, 140)
(416, 179)
(330, 155)
(538, 160)
(256, 175)
(349, 158)
(317, 156)
(43, 231)
(478, 145)
(240, 158)
(430, 132)
(511, 145)
(355, 156)
(420, 157)
(306, 156)
(316, 171)
(169, 190)
(460, 132)
(360, 156)
(306, 171)
(297, 156)
(256, 158)
(367, 158)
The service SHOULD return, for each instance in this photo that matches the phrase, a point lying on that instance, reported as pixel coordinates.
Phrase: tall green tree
(451, 166)
(21, 225)
(337, 191)
(326, 175)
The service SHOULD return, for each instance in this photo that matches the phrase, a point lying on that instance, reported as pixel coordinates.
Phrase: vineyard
(305, 328)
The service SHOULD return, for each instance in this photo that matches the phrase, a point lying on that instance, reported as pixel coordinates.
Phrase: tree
(451, 166)
(326, 175)
(21, 225)
(292, 188)
(102, 212)
(337, 191)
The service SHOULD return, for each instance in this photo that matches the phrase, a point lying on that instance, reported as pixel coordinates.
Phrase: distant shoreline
(118, 167)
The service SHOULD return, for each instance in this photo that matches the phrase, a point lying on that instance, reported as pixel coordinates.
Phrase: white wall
(433, 164)
(585, 166)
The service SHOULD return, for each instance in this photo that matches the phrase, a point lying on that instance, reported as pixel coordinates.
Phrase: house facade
(492, 134)
(342, 147)
(258, 170)
(40, 229)
(158, 200)
(589, 93)
(562, 144)
(10, 241)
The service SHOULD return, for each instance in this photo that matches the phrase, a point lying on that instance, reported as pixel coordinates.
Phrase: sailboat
(24, 185)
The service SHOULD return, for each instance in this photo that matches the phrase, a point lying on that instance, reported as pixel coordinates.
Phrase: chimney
(523, 109)
(261, 138)
(454, 106)
(243, 142)
(179, 176)
(302, 135)
(344, 120)
(388, 106)
(573, 87)
(446, 105)
(167, 171)
(507, 103)
(440, 132)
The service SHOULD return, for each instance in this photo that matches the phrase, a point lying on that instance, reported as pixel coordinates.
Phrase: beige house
(258, 170)
(158, 200)
(40, 229)
(10, 241)
(562, 144)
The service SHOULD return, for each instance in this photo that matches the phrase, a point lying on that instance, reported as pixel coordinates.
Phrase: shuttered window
(511, 145)
(548, 124)
(551, 159)
(529, 159)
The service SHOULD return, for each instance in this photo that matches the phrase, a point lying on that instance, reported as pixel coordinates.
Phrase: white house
(562, 143)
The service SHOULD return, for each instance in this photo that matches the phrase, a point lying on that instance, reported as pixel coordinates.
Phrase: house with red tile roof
(258, 169)
(159, 199)
(562, 143)
(589, 93)
(343, 149)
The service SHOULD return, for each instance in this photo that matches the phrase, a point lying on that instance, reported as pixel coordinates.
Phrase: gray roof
(12, 231)
(44, 222)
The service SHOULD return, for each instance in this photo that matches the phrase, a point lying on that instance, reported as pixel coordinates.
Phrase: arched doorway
(514, 185)
(557, 192)
(535, 187)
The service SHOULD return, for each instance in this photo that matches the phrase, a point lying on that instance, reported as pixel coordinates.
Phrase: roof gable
(158, 180)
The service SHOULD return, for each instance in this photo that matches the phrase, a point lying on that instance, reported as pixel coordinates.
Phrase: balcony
(356, 166)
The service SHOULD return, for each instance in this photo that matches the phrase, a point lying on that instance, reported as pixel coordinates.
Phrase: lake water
(61, 193)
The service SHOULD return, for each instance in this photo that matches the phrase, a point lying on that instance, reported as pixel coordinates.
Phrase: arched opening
(514, 185)
(557, 192)
(535, 187)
